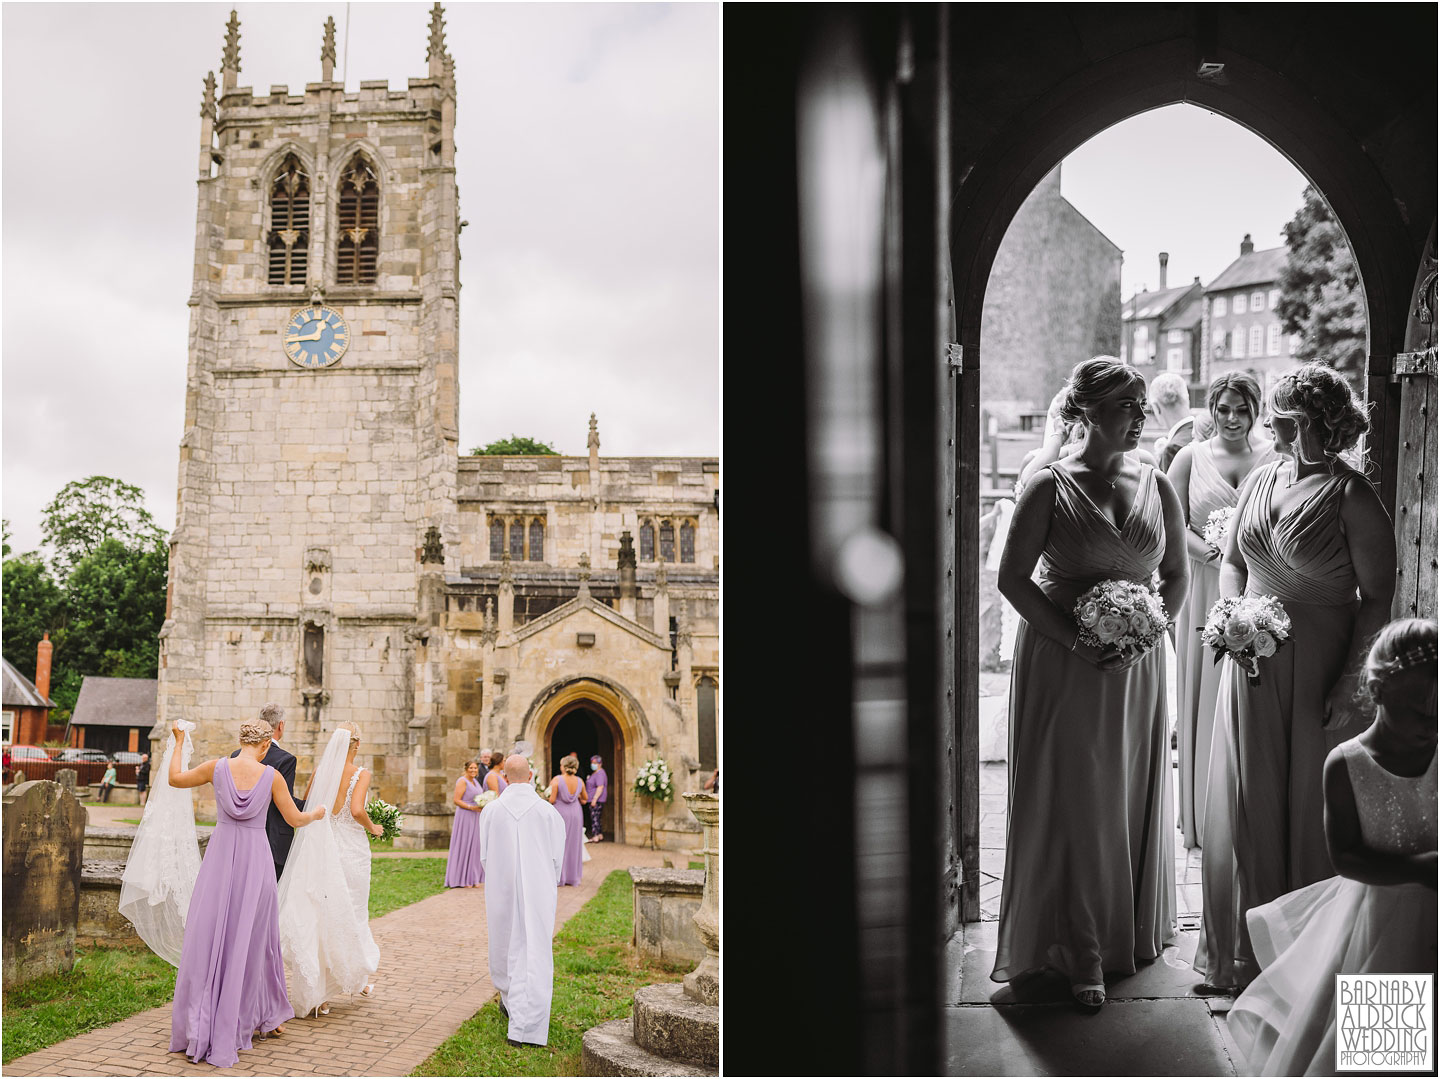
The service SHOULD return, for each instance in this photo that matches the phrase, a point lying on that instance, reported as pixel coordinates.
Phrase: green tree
(33, 605)
(87, 512)
(115, 598)
(1320, 295)
(515, 445)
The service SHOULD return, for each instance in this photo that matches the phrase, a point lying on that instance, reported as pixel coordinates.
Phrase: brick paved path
(433, 976)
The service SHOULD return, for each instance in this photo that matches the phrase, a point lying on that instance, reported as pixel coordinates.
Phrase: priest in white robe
(522, 842)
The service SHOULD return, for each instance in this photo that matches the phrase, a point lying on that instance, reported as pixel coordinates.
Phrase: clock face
(316, 337)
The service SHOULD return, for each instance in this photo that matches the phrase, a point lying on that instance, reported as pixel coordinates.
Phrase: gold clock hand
(308, 337)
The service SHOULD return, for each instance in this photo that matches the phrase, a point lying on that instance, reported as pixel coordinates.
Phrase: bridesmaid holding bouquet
(1310, 531)
(1207, 476)
(1089, 883)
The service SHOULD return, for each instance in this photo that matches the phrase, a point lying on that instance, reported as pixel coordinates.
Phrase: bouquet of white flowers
(1123, 614)
(486, 797)
(542, 786)
(1217, 528)
(653, 780)
(387, 816)
(1247, 629)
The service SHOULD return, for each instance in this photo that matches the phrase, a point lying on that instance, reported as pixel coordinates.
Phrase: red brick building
(25, 717)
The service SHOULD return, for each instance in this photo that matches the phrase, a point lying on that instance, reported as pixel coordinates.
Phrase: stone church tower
(317, 506)
(334, 553)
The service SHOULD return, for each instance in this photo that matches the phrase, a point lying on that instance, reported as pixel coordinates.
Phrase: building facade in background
(334, 552)
(1241, 330)
(1162, 328)
(1053, 299)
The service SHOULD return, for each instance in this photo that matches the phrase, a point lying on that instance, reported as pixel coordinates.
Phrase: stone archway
(602, 710)
(586, 728)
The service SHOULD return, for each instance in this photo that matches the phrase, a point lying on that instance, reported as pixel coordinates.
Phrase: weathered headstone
(43, 845)
(67, 778)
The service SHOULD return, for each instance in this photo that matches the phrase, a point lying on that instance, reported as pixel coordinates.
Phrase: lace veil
(318, 935)
(164, 860)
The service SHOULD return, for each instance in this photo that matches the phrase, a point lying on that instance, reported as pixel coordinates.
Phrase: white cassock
(522, 842)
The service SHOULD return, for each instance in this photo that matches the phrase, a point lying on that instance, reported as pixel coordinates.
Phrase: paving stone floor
(433, 976)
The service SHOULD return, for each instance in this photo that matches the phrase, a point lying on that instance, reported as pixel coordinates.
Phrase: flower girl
(1378, 915)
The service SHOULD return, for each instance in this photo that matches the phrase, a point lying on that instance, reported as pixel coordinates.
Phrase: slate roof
(1256, 268)
(116, 702)
(1153, 304)
(19, 691)
(1187, 315)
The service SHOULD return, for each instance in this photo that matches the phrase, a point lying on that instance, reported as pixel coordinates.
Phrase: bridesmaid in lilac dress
(567, 794)
(1310, 531)
(1207, 476)
(231, 980)
(1089, 883)
(463, 868)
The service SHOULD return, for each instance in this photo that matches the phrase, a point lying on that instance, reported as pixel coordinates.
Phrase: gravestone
(67, 778)
(43, 844)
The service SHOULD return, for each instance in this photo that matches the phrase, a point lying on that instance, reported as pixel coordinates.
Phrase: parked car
(124, 756)
(23, 753)
(81, 755)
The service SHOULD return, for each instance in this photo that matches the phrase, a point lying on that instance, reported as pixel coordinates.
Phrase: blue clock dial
(316, 337)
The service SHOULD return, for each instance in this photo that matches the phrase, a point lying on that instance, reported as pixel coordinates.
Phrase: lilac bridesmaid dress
(463, 868)
(1089, 885)
(1265, 818)
(568, 803)
(231, 979)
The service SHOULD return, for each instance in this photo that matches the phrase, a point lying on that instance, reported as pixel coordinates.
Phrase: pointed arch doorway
(586, 728)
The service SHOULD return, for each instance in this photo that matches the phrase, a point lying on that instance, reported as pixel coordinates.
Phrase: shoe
(1206, 989)
(1090, 998)
(504, 1011)
(522, 1045)
(368, 991)
(322, 1009)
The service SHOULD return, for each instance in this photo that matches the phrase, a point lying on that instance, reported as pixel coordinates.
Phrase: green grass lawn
(398, 882)
(596, 974)
(105, 986)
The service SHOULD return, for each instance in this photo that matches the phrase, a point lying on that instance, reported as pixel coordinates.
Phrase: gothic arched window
(667, 541)
(359, 220)
(687, 542)
(537, 541)
(517, 540)
(289, 223)
(497, 538)
(647, 542)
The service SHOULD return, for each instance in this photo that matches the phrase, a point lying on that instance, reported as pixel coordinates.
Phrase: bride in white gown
(325, 889)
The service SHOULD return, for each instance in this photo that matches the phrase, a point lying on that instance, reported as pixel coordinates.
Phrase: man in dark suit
(277, 831)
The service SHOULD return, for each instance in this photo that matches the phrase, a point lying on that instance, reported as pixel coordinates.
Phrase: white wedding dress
(164, 861)
(325, 894)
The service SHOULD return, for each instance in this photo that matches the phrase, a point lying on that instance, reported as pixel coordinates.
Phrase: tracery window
(667, 541)
(497, 539)
(517, 540)
(289, 223)
(359, 219)
(687, 542)
(536, 552)
(647, 542)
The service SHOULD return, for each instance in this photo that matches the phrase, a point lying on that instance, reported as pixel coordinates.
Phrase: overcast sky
(587, 154)
(1183, 180)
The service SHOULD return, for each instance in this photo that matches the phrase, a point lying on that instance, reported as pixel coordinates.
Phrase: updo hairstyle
(351, 729)
(570, 764)
(1092, 382)
(255, 732)
(1325, 402)
(1237, 382)
(1404, 643)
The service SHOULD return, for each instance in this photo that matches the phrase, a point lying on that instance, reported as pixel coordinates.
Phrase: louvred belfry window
(359, 221)
(289, 223)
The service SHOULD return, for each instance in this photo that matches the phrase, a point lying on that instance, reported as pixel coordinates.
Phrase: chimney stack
(1246, 246)
(1164, 261)
(42, 665)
